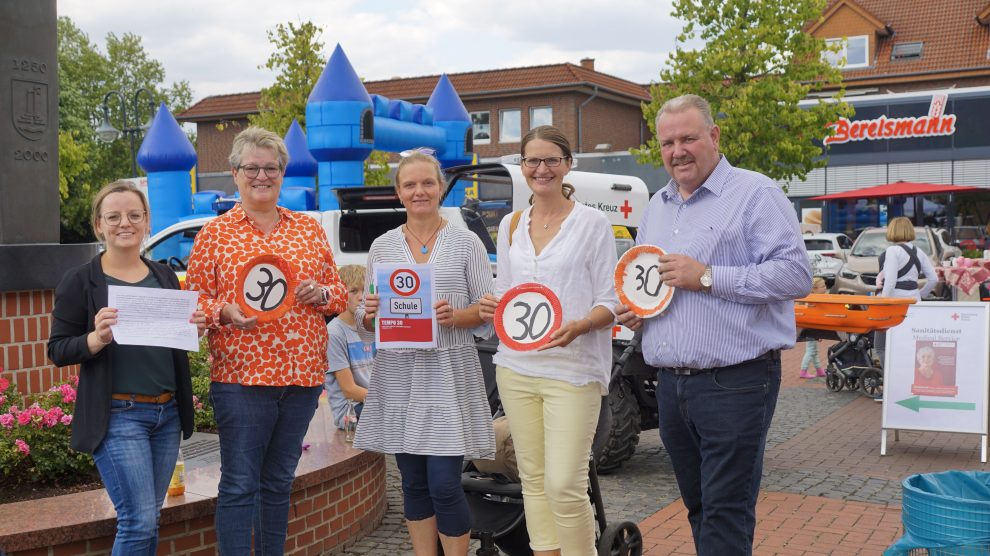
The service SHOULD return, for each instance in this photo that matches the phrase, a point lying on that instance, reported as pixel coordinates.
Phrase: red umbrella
(899, 188)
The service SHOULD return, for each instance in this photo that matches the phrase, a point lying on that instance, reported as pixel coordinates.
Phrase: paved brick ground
(789, 524)
(826, 489)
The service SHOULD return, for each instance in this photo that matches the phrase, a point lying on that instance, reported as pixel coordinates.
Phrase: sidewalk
(845, 497)
(825, 488)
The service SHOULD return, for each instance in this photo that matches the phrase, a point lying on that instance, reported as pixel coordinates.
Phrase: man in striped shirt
(734, 252)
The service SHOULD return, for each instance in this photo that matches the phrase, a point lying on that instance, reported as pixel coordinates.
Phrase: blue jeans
(714, 426)
(135, 461)
(431, 485)
(261, 432)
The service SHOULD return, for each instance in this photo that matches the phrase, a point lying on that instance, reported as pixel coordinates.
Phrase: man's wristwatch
(706, 280)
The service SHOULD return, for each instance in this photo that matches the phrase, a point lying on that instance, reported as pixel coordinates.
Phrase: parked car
(972, 237)
(826, 254)
(859, 274)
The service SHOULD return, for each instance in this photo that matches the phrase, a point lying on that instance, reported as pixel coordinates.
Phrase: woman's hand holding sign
(370, 310)
(487, 306)
(445, 313)
(231, 314)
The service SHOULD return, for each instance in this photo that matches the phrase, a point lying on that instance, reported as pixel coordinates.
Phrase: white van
(498, 189)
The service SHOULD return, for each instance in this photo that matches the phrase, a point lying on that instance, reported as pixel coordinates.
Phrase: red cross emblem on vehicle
(625, 209)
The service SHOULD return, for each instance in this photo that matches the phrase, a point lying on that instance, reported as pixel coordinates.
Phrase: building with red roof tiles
(917, 73)
(597, 111)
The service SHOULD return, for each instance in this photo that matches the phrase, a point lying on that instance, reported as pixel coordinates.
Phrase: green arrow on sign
(917, 404)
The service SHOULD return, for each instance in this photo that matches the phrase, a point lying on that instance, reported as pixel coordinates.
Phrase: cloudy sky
(217, 45)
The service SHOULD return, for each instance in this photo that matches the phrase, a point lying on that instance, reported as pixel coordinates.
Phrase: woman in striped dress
(428, 406)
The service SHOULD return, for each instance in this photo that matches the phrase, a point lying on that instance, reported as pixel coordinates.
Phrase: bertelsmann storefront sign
(936, 123)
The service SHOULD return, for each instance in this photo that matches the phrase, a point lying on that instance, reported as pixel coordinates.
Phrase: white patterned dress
(432, 401)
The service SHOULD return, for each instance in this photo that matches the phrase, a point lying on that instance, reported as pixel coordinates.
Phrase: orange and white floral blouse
(290, 350)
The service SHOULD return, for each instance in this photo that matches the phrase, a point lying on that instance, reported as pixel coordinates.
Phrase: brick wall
(25, 322)
(325, 517)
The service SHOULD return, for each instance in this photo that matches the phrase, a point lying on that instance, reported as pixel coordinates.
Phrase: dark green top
(144, 370)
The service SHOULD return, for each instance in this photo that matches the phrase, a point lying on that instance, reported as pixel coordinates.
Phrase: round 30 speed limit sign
(526, 317)
(265, 287)
(638, 283)
(404, 282)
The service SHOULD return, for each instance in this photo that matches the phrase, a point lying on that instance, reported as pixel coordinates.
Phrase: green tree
(85, 75)
(757, 63)
(297, 61)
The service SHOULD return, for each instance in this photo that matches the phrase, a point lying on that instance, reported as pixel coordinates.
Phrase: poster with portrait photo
(935, 369)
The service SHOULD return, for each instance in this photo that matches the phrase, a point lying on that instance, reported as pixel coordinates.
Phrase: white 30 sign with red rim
(638, 283)
(526, 317)
(404, 282)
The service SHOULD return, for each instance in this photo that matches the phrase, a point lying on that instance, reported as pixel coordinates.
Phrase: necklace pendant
(424, 250)
(546, 226)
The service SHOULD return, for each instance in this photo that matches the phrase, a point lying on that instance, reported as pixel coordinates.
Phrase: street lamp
(108, 134)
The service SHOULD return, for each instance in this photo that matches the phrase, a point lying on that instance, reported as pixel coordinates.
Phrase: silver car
(826, 254)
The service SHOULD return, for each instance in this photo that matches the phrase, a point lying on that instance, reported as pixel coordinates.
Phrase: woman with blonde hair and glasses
(267, 375)
(552, 396)
(134, 402)
(428, 406)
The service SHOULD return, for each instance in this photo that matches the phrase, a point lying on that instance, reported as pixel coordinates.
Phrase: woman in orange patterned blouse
(267, 374)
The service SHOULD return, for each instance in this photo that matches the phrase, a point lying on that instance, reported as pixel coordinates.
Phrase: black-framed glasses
(252, 171)
(550, 161)
(115, 218)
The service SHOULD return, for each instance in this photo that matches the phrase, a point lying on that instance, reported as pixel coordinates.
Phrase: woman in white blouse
(552, 396)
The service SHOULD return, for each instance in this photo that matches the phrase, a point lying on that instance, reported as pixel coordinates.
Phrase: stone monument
(31, 259)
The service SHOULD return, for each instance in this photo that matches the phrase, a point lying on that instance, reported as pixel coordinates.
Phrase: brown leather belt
(159, 399)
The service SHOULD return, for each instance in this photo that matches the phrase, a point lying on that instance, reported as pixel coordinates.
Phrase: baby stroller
(850, 319)
(496, 504)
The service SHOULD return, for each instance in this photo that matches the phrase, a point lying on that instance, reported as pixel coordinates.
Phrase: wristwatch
(706, 280)
(324, 297)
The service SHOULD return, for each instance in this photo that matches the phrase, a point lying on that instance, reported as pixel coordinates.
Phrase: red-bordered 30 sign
(526, 317)
(638, 283)
(265, 287)
(404, 282)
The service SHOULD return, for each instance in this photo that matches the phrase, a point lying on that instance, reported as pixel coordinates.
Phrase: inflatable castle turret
(299, 185)
(340, 126)
(345, 123)
(167, 156)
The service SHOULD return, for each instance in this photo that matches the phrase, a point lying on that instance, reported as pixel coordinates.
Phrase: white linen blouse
(578, 265)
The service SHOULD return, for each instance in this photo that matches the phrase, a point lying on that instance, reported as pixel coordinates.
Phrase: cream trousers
(553, 424)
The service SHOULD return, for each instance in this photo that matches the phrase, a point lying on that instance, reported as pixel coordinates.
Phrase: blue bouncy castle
(167, 156)
(345, 123)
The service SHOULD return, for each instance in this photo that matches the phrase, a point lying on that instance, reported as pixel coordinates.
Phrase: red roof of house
(955, 41)
(470, 84)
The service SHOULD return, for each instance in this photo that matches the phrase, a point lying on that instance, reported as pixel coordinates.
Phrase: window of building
(510, 126)
(542, 115)
(906, 51)
(854, 50)
(481, 126)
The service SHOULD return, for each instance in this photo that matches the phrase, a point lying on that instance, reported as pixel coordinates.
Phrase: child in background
(811, 346)
(350, 359)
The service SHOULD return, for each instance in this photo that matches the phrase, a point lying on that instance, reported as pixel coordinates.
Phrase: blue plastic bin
(946, 513)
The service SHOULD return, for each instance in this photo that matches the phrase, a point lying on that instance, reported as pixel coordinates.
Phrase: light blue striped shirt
(741, 224)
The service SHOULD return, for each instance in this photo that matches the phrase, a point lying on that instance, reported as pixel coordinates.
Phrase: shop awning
(899, 188)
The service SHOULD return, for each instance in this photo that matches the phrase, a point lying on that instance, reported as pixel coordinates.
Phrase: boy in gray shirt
(350, 359)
